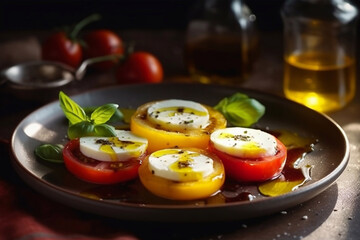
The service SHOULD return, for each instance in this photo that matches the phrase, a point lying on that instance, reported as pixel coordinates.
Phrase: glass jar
(221, 42)
(319, 52)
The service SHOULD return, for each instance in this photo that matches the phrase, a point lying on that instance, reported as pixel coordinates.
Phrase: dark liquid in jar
(219, 59)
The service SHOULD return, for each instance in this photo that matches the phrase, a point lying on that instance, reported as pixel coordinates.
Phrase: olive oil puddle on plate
(294, 175)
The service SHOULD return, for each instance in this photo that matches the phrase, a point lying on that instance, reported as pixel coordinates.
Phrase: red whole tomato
(59, 47)
(140, 67)
(95, 171)
(253, 170)
(100, 43)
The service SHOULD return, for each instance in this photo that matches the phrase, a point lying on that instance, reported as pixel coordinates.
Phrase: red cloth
(27, 215)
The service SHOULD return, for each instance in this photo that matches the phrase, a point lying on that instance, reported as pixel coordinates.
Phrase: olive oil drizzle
(294, 174)
(106, 146)
(184, 164)
(173, 111)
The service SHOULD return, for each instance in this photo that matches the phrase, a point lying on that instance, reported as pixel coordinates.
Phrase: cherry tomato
(140, 67)
(100, 43)
(178, 190)
(95, 171)
(58, 47)
(253, 170)
(160, 139)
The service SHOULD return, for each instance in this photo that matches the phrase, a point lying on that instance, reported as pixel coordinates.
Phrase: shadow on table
(294, 223)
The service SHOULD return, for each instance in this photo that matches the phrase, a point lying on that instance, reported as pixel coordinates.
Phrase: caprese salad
(179, 149)
(248, 155)
(176, 123)
(182, 173)
(105, 160)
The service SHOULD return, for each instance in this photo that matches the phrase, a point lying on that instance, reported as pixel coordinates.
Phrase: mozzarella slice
(124, 146)
(244, 142)
(177, 115)
(180, 165)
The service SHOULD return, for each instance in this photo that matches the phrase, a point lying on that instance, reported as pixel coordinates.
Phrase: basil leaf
(116, 117)
(73, 112)
(104, 130)
(103, 113)
(81, 129)
(50, 152)
(240, 110)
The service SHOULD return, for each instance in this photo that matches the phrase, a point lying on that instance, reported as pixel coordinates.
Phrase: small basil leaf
(116, 117)
(73, 112)
(244, 113)
(237, 97)
(240, 110)
(103, 113)
(50, 152)
(104, 130)
(81, 129)
(233, 98)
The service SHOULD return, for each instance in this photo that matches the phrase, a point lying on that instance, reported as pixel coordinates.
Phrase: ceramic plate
(131, 201)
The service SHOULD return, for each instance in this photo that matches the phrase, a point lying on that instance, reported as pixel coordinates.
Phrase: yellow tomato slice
(175, 190)
(160, 139)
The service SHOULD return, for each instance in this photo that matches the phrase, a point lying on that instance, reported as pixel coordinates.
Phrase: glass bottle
(221, 41)
(319, 52)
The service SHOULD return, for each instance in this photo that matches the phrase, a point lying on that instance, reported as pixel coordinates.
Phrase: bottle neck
(222, 5)
(323, 10)
(324, 1)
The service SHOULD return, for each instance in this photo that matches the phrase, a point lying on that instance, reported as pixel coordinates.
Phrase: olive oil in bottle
(320, 81)
(319, 52)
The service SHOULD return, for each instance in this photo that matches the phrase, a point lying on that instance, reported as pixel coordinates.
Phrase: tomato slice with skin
(253, 170)
(176, 190)
(92, 170)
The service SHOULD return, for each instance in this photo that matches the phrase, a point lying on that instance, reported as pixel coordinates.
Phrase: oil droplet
(293, 175)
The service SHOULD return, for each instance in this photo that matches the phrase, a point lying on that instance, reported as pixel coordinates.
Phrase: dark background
(118, 14)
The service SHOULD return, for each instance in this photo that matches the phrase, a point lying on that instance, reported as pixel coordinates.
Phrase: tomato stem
(77, 28)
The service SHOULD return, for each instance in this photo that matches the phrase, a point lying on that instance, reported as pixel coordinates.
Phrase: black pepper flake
(242, 138)
(152, 172)
(180, 109)
(188, 122)
(184, 164)
(103, 142)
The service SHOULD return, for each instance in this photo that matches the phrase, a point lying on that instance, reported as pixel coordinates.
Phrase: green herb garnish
(240, 110)
(50, 152)
(81, 124)
(118, 116)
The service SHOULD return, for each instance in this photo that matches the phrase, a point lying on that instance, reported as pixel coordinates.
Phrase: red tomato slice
(95, 171)
(253, 170)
